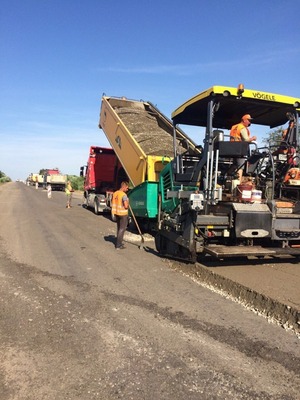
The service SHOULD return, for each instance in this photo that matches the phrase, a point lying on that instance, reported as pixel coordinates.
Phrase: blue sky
(57, 58)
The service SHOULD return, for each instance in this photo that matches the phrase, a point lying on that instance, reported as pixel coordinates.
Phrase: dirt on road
(82, 321)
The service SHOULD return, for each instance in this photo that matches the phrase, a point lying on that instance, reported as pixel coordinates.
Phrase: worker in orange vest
(120, 205)
(240, 133)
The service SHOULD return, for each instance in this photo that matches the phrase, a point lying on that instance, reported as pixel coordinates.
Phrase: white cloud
(270, 57)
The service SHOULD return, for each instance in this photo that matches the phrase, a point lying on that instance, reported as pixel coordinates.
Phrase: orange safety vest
(235, 133)
(117, 203)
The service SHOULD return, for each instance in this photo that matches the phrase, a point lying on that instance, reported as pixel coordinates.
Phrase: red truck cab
(103, 173)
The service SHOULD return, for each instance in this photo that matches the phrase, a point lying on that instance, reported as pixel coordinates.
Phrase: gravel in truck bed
(146, 130)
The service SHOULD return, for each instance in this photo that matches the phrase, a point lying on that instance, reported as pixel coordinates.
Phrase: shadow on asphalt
(147, 249)
(110, 238)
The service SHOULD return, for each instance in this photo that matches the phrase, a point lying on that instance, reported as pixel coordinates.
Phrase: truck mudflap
(220, 251)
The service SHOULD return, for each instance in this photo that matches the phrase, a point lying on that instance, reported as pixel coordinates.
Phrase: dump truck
(55, 178)
(102, 174)
(143, 139)
(33, 178)
(204, 208)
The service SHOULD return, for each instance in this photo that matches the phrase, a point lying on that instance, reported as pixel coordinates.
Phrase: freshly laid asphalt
(269, 286)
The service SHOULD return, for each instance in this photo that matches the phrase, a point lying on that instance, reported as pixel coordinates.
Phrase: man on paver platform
(240, 133)
(120, 205)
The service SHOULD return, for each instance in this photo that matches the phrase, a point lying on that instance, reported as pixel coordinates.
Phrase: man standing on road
(120, 205)
(69, 190)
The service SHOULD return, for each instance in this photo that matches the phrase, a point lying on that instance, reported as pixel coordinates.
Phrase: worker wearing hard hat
(120, 206)
(240, 133)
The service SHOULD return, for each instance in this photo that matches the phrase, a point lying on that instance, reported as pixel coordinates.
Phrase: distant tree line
(274, 137)
(4, 178)
(76, 181)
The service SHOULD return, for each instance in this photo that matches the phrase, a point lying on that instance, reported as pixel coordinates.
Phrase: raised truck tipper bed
(143, 140)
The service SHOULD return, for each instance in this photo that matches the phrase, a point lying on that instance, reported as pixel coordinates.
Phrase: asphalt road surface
(79, 320)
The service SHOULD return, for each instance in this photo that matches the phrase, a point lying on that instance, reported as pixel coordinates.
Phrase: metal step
(244, 251)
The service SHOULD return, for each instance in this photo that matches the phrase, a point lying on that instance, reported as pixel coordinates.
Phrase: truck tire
(85, 200)
(96, 207)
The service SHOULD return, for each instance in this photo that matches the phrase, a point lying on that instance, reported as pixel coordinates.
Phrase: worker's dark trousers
(122, 222)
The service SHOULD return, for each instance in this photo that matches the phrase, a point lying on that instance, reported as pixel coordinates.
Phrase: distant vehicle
(103, 174)
(55, 178)
(33, 178)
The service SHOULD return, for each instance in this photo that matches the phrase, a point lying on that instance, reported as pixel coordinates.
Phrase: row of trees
(76, 181)
(4, 178)
(274, 137)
